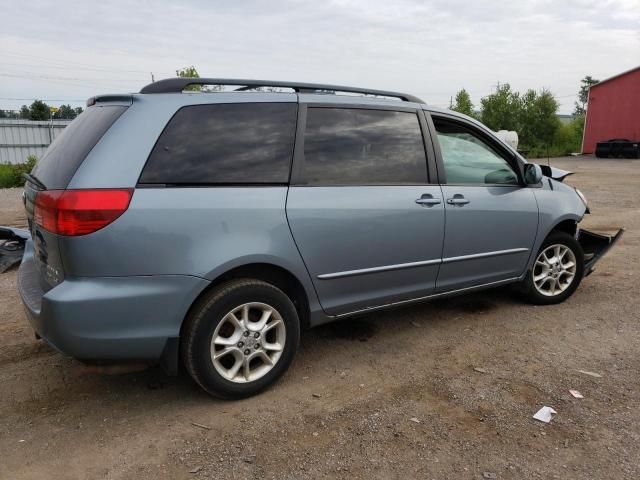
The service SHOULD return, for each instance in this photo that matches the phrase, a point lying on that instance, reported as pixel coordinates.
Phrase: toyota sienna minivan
(211, 227)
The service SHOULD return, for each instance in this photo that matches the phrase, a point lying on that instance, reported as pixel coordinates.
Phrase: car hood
(555, 173)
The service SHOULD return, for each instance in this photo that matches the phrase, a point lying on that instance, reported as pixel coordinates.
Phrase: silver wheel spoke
(246, 370)
(537, 278)
(273, 324)
(265, 358)
(233, 320)
(272, 347)
(259, 325)
(222, 353)
(233, 371)
(224, 341)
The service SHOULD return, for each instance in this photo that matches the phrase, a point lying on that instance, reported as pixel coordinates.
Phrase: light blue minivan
(212, 225)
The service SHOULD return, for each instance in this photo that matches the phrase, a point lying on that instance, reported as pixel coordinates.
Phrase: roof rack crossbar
(178, 84)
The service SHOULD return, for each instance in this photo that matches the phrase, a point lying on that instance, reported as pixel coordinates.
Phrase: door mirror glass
(532, 174)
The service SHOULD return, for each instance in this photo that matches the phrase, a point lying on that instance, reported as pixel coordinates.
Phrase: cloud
(75, 49)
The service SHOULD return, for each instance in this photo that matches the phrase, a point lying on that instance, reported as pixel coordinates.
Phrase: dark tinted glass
(468, 159)
(61, 160)
(225, 143)
(344, 146)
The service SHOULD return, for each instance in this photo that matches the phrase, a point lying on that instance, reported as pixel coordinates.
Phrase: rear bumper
(595, 246)
(108, 318)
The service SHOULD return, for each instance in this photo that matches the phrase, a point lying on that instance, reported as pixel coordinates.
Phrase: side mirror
(532, 174)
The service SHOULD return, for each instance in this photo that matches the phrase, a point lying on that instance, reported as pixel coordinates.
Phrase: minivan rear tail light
(79, 212)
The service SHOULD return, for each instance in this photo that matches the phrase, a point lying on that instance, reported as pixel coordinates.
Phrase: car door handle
(457, 199)
(428, 200)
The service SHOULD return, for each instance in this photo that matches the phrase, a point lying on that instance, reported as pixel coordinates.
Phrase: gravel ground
(390, 395)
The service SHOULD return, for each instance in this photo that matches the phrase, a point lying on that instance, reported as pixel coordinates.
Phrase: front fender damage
(595, 246)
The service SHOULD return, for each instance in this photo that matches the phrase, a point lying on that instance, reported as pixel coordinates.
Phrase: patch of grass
(11, 174)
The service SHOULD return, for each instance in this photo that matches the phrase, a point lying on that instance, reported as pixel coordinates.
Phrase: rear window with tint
(63, 157)
(344, 146)
(245, 143)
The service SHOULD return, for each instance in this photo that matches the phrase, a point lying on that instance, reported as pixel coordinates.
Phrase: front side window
(348, 146)
(241, 143)
(468, 159)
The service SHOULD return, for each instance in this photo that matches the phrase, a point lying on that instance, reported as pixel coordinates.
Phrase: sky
(65, 51)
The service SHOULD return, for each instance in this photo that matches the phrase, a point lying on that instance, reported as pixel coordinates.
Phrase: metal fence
(21, 138)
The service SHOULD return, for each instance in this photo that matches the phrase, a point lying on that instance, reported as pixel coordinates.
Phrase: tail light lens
(79, 212)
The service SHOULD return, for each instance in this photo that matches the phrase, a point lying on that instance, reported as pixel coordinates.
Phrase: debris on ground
(316, 395)
(416, 324)
(489, 475)
(199, 425)
(195, 470)
(576, 394)
(545, 414)
(591, 374)
(480, 369)
(11, 247)
(414, 420)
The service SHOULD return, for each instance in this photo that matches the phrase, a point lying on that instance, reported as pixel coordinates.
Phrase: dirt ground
(389, 395)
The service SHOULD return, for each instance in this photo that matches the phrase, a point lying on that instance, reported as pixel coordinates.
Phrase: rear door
(491, 216)
(368, 223)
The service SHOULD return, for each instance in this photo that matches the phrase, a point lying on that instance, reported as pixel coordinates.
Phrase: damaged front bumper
(12, 242)
(595, 246)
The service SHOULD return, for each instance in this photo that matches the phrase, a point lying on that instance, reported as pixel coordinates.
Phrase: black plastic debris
(12, 242)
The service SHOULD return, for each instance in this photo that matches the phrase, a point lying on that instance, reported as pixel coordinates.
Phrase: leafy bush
(11, 174)
(567, 139)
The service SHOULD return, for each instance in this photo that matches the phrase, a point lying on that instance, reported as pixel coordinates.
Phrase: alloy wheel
(554, 270)
(248, 342)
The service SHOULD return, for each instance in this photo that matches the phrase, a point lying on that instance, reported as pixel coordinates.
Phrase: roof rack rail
(178, 84)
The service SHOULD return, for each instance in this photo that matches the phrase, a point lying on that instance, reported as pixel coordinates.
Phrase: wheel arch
(566, 223)
(271, 273)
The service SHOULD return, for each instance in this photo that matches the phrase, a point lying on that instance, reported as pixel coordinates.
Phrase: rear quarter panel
(203, 232)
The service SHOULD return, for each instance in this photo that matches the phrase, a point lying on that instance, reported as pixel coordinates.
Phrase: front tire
(240, 338)
(557, 270)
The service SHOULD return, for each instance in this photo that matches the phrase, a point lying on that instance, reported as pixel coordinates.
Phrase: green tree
(189, 72)
(39, 111)
(501, 110)
(583, 95)
(65, 112)
(24, 112)
(538, 121)
(463, 103)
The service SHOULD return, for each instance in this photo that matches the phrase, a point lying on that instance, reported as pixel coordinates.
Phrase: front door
(491, 218)
(367, 223)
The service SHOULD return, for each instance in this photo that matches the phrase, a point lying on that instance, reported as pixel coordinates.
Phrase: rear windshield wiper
(31, 178)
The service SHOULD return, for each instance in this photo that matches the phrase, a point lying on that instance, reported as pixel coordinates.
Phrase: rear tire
(556, 272)
(240, 338)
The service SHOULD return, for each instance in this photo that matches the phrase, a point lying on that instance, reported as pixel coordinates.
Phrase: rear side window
(348, 146)
(61, 160)
(243, 143)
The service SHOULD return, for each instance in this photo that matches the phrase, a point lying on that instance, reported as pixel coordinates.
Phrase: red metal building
(613, 110)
